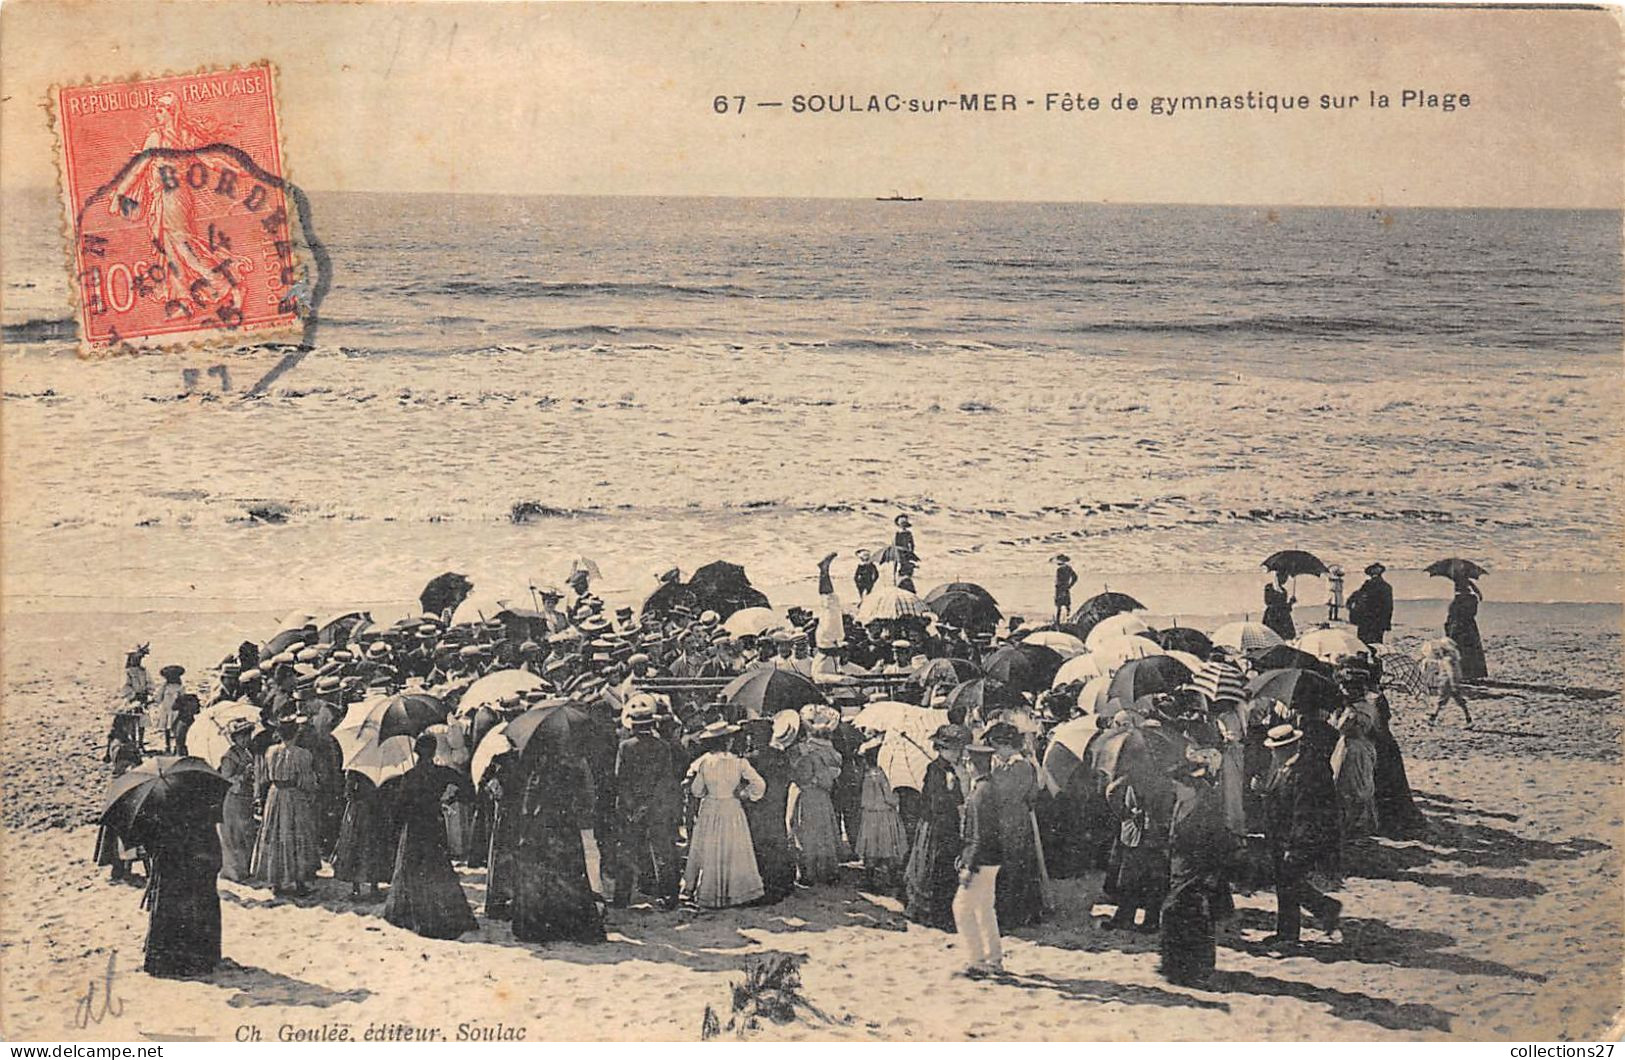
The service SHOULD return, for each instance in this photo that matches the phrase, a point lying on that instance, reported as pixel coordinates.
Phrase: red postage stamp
(177, 209)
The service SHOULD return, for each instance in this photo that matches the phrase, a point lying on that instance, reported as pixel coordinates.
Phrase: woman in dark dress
(183, 905)
(1397, 815)
(553, 900)
(424, 893)
(1461, 626)
(775, 861)
(1020, 888)
(366, 845)
(931, 877)
(1278, 607)
(505, 792)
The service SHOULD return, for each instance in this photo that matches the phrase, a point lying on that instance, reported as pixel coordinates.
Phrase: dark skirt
(1465, 633)
(553, 900)
(931, 878)
(1397, 815)
(183, 914)
(499, 864)
(366, 845)
(1018, 893)
(425, 894)
(775, 861)
(1187, 942)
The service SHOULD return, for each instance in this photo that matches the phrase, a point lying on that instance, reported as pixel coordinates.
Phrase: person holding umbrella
(365, 850)
(1461, 626)
(1371, 606)
(286, 857)
(425, 895)
(931, 875)
(123, 752)
(766, 816)
(1278, 601)
(182, 898)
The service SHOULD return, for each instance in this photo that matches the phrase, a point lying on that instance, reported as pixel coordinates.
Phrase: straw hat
(1282, 735)
(716, 731)
(786, 727)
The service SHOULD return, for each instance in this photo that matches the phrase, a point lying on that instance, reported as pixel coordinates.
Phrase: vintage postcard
(828, 522)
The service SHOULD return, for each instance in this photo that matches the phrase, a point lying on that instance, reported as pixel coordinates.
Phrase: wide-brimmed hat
(1001, 733)
(237, 725)
(862, 554)
(172, 673)
(1282, 735)
(709, 618)
(901, 520)
(377, 649)
(1061, 557)
(1375, 569)
(716, 731)
(951, 736)
(786, 727)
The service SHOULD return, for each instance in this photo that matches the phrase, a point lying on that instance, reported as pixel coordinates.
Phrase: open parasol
(1331, 644)
(889, 603)
(766, 690)
(1121, 625)
(1148, 676)
(494, 687)
(1297, 689)
(1295, 561)
(1245, 637)
(1456, 569)
(754, 621)
(149, 796)
(208, 737)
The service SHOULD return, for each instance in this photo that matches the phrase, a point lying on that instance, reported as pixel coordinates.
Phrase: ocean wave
(41, 329)
(521, 288)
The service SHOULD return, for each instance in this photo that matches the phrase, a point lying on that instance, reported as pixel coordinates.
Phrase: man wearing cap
(1301, 822)
(648, 807)
(1065, 579)
(1371, 607)
(902, 660)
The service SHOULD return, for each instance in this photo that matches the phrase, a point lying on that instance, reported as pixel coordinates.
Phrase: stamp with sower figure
(177, 210)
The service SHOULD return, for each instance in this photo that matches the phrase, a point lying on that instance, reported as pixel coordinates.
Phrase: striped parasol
(1218, 680)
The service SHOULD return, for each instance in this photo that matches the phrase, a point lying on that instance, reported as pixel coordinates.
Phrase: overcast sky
(619, 99)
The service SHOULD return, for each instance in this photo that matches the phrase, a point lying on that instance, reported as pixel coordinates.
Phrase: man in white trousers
(974, 914)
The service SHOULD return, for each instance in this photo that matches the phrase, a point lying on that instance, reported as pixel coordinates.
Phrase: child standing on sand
(1441, 670)
(882, 845)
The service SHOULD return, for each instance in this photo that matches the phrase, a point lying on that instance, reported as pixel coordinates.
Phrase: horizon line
(1617, 208)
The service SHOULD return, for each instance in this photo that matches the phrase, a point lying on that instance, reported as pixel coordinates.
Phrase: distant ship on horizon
(899, 198)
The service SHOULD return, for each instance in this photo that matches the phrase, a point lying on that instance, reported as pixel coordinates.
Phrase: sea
(1167, 394)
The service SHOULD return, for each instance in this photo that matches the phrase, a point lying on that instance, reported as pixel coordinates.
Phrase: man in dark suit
(648, 807)
(1301, 807)
(1371, 608)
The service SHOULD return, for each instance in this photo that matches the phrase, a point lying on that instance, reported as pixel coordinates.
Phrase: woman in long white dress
(721, 870)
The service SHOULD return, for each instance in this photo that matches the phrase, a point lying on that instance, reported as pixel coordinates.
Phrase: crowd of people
(672, 755)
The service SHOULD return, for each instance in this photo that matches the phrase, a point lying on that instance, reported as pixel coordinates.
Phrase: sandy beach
(1505, 923)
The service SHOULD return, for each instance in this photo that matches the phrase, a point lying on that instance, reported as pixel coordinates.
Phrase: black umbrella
(723, 587)
(1024, 667)
(1107, 604)
(1294, 561)
(667, 598)
(485, 719)
(1286, 657)
(1144, 677)
(553, 726)
(962, 588)
(1183, 638)
(766, 690)
(1456, 569)
(1300, 690)
(962, 607)
(408, 714)
(982, 696)
(444, 591)
(151, 795)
